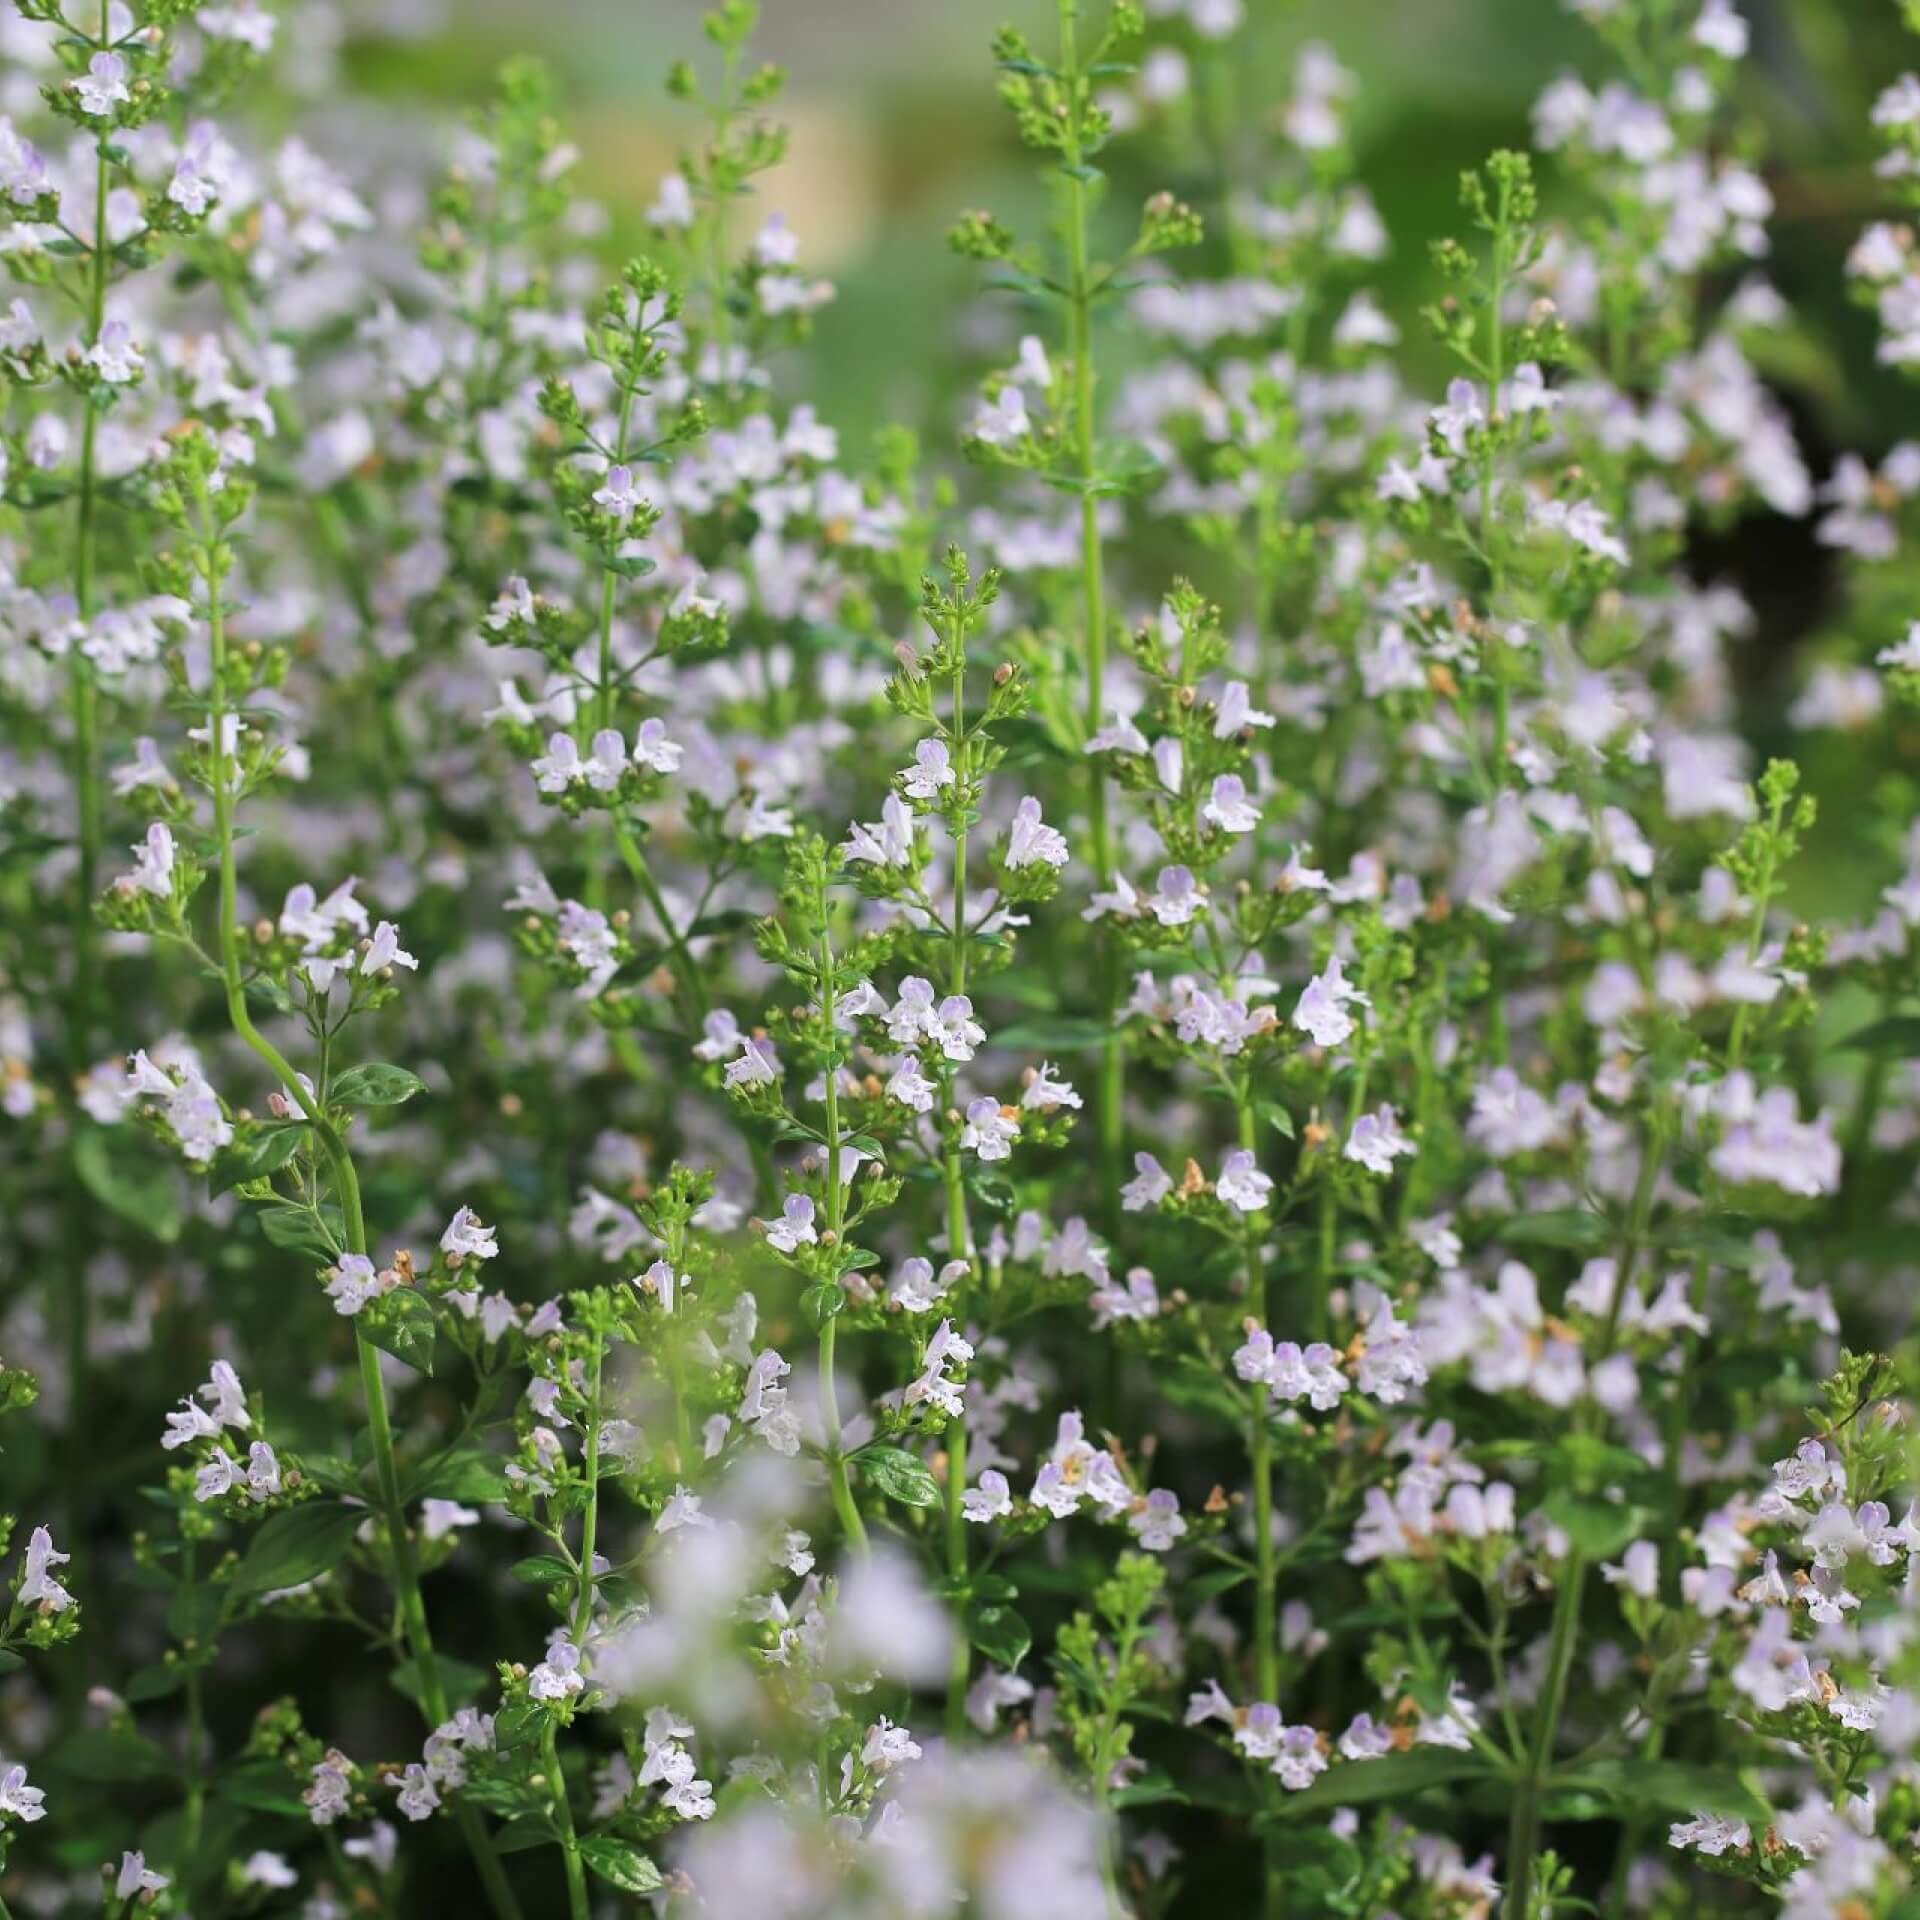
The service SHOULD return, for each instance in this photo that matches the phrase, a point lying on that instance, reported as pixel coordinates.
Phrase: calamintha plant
(1142, 1155)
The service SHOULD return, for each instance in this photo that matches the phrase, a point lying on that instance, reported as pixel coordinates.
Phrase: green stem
(1110, 1099)
(851, 1524)
(579, 1907)
(1756, 933)
(1266, 1571)
(83, 703)
(1523, 1832)
(196, 1739)
(406, 1575)
(590, 1521)
(692, 981)
(959, 1234)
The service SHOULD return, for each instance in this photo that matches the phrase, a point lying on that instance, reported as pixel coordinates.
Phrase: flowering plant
(1110, 1158)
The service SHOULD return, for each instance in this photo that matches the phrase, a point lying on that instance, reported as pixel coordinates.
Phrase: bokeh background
(895, 129)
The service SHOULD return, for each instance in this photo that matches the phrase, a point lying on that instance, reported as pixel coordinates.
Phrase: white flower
(1241, 1184)
(1044, 1092)
(38, 1587)
(19, 1799)
(794, 1229)
(1030, 841)
(1151, 1183)
(757, 1066)
(1237, 712)
(1584, 524)
(1321, 1011)
(330, 1788)
(153, 862)
(103, 86)
(673, 205)
(932, 769)
(652, 748)
(618, 495)
(1228, 808)
(385, 950)
(1001, 421)
(351, 1283)
(119, 362)
(1711, 1833)
(136, 1877)
(1176, 897)
(886, 842)
(683, 1510)
(468, 1236)
(1376, 1141)
(989, 1498)
(990, 1130)
(418, 1797)
(1721, 30)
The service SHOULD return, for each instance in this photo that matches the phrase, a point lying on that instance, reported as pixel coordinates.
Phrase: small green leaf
(621, 1864)
(1053, 1033)
(460, 1680)
(1215, 1581)
(1570, 1227)
(376, 1085)
(155, 1682)
(130, 1178)
(116, 1754)
(1672, 1786)
(1899, 1036)
(266, 1786)
(1000, 1634)
(514, 1725)
(820, 1303)
(542, 1570)
(263, 1155)
(899, 1475)
(402, 1324)
(463, 1473)
(296, 1229)
(1597, 1528)
(297, 1545)
(523, 1835)
(1154, 1788)
(1394, 1776)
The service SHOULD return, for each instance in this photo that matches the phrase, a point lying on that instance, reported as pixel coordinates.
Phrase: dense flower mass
(1121, 1161)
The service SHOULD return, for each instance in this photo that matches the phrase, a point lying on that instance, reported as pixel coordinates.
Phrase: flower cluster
(1152, 1148)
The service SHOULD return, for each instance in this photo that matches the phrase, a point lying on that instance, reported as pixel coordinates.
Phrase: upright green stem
(1756, 937)
(692, 982)
(851, 1524)
(1266, 1572)
(684, 966)
(406, 1573)
(196, 1737)
(590, 1520)
(579, 1906)
(1111, 1096)
(959, 1237)
(1496, 372)
(81, 687)
(1523, 1832)
(83, 704)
